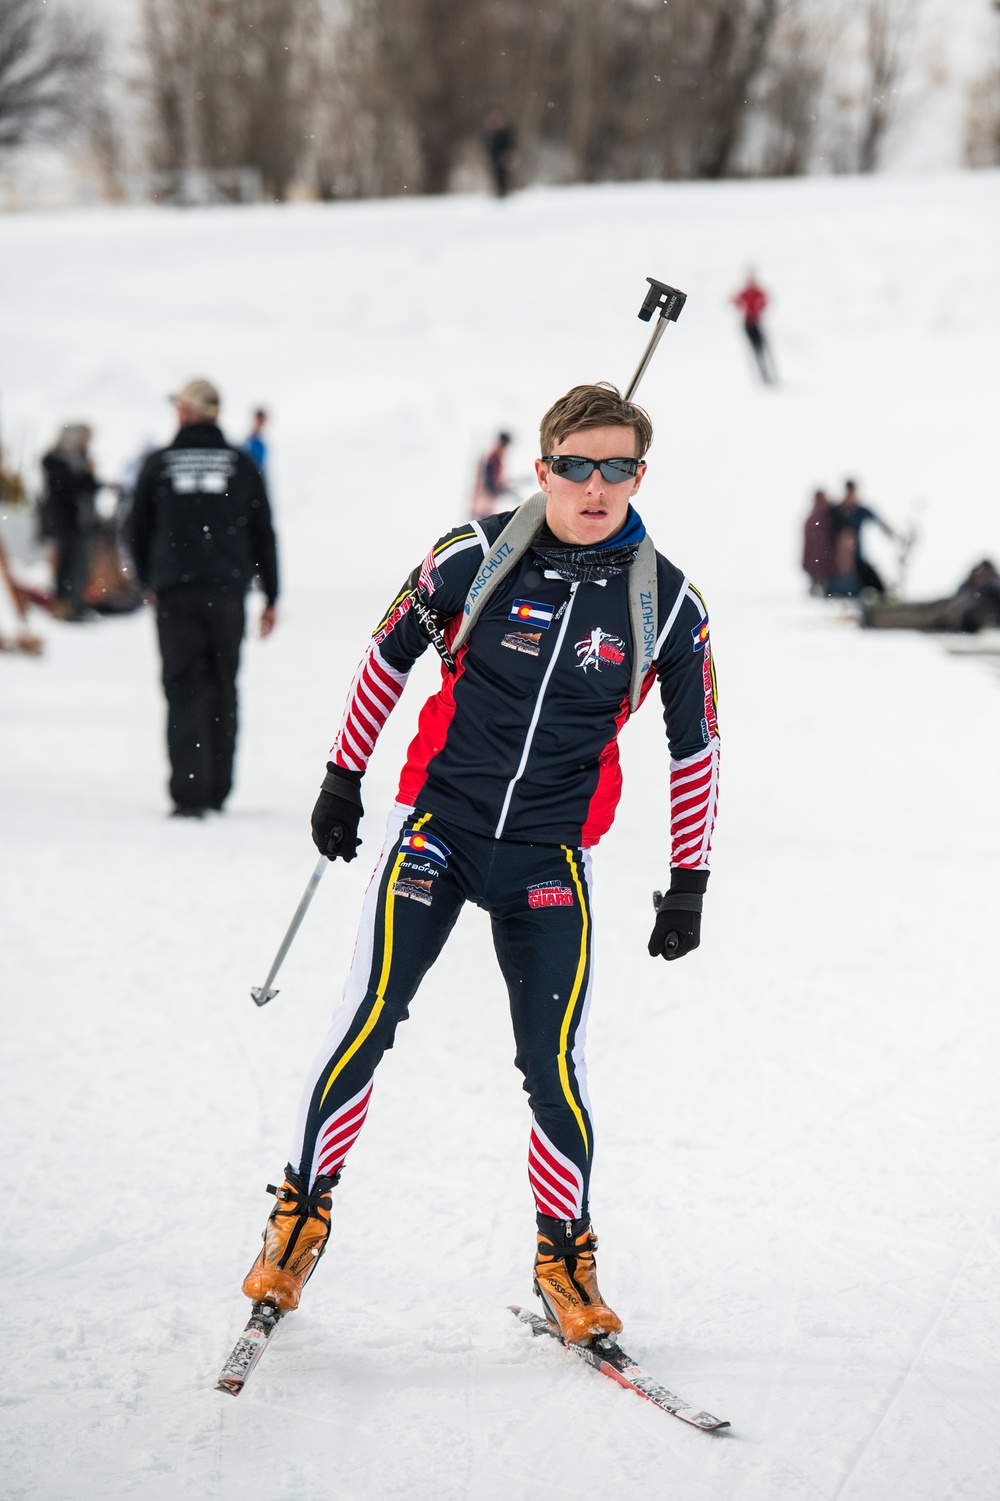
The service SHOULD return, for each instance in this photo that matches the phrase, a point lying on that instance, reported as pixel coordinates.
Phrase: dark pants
(72, 566)
(538, 898)
(762, 351)
(200, 632)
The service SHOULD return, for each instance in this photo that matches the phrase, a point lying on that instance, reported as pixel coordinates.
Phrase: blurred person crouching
(69, 516)
(974, 607)
(201, 531)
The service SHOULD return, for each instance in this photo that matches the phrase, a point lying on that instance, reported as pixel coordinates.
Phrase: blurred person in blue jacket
(256, 443)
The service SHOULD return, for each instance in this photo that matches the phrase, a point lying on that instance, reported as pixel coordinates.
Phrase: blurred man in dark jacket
(201, 531)
(70, 516)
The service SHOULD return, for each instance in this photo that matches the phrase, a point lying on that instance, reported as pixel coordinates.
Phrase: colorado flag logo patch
(528, 610)
(422, 844)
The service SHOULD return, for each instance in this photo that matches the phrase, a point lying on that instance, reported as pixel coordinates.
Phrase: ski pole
(669, 303)
(263, 993)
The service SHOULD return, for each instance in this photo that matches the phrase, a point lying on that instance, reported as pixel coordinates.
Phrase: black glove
(337, 813)
(678, 915)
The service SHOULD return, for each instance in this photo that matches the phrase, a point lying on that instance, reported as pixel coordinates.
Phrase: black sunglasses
(614, 471)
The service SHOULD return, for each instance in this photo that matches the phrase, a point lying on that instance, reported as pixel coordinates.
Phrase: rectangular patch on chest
(532, 613)
(526, 642)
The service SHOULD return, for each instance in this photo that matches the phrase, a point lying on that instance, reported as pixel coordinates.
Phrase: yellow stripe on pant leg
(581, 970)
(376, 1011)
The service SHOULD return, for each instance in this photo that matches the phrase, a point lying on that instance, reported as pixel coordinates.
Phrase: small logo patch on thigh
(551, 894)
(417, 891)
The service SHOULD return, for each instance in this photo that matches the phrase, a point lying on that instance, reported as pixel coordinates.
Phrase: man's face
(594, 510)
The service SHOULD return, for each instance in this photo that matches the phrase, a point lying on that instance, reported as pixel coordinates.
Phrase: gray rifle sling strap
(508, 550)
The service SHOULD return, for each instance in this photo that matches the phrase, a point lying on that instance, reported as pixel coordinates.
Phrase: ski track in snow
(797, 1171)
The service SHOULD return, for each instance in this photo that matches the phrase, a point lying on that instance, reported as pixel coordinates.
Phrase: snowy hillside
(796, 1188)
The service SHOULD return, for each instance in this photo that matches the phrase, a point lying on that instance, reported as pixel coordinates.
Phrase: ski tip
(232, 1387)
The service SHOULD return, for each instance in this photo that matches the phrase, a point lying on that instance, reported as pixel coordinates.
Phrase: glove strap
(341, 784)
(680, 901)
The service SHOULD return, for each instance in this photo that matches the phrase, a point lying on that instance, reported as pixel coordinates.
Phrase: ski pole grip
(667, 300)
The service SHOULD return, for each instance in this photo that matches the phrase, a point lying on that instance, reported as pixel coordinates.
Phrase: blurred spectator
(69, 516)
(256, 443)
(112, 586)
(201, 530)
(853, 570)
(819, 544)
(14, 632)
(974, 606)
(499, 139)
(491, 479)
(751, 301)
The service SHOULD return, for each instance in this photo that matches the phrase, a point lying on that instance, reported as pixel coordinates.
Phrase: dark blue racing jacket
(520, 742)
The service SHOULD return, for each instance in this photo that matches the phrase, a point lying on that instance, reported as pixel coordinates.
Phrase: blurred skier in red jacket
(751, 301)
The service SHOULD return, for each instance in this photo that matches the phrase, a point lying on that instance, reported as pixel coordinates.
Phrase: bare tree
(889, 27)
(376, 97)
(231, 83)
(48, 65)
(982, 112)
(792, 92)
(982, 120)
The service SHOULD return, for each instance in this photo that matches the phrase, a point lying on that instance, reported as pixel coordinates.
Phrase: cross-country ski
(249, 1348)
(604, 1354)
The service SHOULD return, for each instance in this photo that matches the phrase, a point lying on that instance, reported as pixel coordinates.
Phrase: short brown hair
(599, 405)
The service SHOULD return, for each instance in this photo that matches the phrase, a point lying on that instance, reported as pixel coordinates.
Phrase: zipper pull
(562, 608)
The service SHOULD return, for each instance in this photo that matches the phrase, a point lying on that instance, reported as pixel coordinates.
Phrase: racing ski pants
(538, 898)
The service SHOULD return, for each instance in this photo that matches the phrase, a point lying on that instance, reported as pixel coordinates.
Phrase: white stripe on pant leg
(356, 985)
(580, 1036)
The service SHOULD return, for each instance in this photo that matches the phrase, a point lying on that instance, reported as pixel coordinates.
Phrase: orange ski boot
(294, 1240)
(566, 1280)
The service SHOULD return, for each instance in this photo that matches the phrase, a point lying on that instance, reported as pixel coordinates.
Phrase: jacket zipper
(519, 773)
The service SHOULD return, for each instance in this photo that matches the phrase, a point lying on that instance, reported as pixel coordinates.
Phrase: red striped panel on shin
(340, 1133)
(556, 1182)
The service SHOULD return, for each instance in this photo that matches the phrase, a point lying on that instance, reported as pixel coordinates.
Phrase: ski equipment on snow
(263, 993)
(608, 1357)
(249, 1348)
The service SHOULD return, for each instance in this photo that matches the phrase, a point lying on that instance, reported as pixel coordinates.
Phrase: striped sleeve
(694, 796)
(373, 695)
(686, 673)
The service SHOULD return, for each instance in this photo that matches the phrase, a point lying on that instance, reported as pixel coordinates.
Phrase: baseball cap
(200, 396)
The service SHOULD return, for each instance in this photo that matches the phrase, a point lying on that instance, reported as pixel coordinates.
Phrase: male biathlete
(552, 622)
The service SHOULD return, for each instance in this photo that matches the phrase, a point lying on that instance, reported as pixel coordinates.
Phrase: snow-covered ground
(798, 1159)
